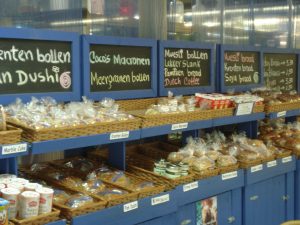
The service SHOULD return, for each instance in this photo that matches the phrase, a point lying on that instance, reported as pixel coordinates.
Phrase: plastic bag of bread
(60, 196)
(200, 148)
(213, 151)
(82, 164)
(203, 163)
(189, 160)
(78, 200)
(226, 160)
(175, 157)
(93, 186)
(2, 119)
(109, 193)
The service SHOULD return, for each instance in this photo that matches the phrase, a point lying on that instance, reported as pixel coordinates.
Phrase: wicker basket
(33, 135)
(40, 219)
(250, 163)
(268, 159)
(138, 108)
(10, 136)
(282, 107)
(228, 169)
(69, 212)
(258, 108)
(205, 174)
(167, 182)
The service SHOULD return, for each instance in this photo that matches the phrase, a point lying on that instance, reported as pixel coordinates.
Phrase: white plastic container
(11, 195)
(29, 202)
(46, 199)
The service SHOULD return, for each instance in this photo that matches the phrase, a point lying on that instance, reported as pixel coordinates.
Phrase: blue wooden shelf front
(268, 170)
(79, 142)
(237, 119)
(209, 187)
(145, 211)
(167, 129)
(59, 222)
(13, 150)
(275, 115)
(297, 194)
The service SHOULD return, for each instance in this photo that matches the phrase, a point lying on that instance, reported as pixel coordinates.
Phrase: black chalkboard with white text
(186, 67)
(280, 71)
(241, 68)
(35, 66)
(119, 68)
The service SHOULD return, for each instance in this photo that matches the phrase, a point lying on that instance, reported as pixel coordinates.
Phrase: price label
(256, 168)
(281, 114)
(13, 149)
(190, 186)
(227, 176)
(180, 126)
(244, 108)
(130, 206)
(272, 164)
(160, 199)
(119, 135)
(287, 159)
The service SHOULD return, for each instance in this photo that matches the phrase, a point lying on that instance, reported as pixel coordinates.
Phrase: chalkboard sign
(39, 63)
(185, 67)
(280, 71)
(32, 66)
(241, 68)
(120, 68)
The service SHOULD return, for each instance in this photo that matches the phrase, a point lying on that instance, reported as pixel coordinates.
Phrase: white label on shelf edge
(244, 108)
(160, 199)
(280, 114)
(119, 135)
(190, 186)
(13, 149)
(272, 163)
(256, 168)
(130, 206)
(287, 159)
(179, 126)
(227, 176)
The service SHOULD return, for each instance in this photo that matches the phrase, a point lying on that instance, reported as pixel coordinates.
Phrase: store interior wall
(272, 23)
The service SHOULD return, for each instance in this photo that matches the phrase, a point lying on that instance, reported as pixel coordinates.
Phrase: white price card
(227, 176)
(281, 114)
(190, 186)
(130, 206)
(179, 126)
(119, 135)
(244, 108)
(272, 164)
(160, 199)
(287, 159)
(13, 149)
(256, 168)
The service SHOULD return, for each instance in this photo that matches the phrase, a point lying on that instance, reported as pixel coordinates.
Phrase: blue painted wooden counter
(59, 222)
(268, 195)
(132, 213)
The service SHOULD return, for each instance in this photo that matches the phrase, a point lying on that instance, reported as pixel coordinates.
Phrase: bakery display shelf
(83, 141)
(270, 169)
(211, 186)
(132, 212)
(237, 119)
(288, 113)
(13, 150)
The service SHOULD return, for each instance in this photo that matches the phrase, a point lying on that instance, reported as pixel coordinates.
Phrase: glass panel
(271, 23)
(51, 14)
(237, 22)
(295, 35)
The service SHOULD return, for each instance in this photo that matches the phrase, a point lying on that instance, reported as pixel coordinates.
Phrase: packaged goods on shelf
(284, 138)
(276, 101)
(27, 206)
(45, 119)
